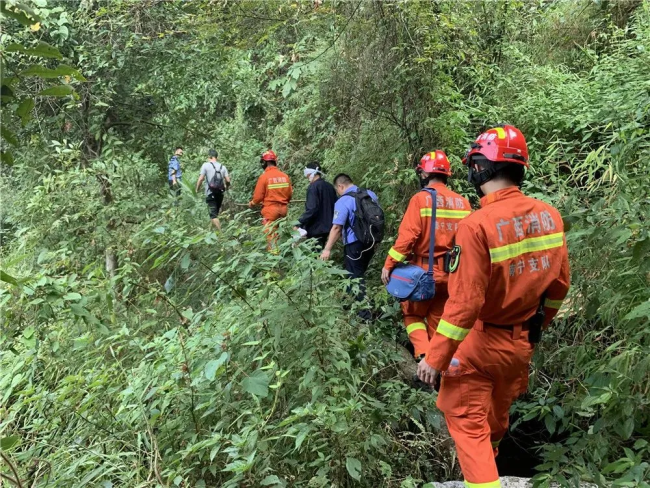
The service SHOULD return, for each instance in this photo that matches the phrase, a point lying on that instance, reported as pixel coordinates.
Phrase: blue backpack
(411, 282)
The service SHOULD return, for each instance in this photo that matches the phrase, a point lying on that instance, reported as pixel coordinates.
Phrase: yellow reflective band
(541, 243)
(553, 303)
(495, 443)
(278, 185)
(397, 256)
(491, 484)
(501, 133)
(452, 331)
(445, 214)
(416, 326)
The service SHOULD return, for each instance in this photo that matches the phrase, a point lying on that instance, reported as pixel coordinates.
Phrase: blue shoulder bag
(411, 282)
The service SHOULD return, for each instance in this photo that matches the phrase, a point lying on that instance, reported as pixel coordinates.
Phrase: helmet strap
(479, 178)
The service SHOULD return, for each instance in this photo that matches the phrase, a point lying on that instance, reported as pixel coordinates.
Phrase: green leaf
(8, 278)
(640, 311)
(7, 158)
(8, 136)
(59, 71)
(256, 384)
(640, 444)
(7, 443)
(72, 296)
(57, 91)
(626, 428)
(6, 93)
(211, 367)
(19, 12)
(185, 262)
(41, 50)
(24, 110)
(353, 465)
(271, 480)
(549, 420)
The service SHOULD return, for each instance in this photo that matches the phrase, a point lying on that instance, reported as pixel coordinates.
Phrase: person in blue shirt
(357, 255)
(174, 172)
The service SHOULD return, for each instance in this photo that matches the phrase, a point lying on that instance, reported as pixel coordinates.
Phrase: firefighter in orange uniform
(413, 244)
(509, 278)
(273, 191)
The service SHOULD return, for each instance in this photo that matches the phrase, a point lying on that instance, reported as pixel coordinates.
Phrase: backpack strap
(432, 240)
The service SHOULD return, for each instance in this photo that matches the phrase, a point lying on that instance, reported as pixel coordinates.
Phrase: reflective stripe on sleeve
(495, 444)
(491, 484)
(553, 303)
(396, 255)
(531, 244)
(415, 326)
(278, 185)
(445, 214)
(452, 331)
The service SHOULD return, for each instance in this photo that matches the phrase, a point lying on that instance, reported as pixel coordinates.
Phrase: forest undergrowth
(140, 348)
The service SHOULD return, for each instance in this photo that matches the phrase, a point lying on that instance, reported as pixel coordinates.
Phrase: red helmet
(269, 156)
(505, 144)
(435, 162)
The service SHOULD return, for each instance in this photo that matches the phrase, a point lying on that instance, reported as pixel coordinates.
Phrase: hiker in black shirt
(319, 207)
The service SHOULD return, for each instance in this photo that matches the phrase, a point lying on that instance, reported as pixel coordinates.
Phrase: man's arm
(558, 289)
(335, 234)
(226, 176)
(467, 287)
(259, 193)
(311, 207)
(198, 183)
(172, 166)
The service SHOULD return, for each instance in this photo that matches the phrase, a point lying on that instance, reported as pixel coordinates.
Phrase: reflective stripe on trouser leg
(491, 484)
(417, 332)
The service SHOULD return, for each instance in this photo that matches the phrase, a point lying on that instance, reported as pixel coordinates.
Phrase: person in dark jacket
(319, 207)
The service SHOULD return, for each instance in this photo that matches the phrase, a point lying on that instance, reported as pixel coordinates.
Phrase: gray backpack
(217, 182)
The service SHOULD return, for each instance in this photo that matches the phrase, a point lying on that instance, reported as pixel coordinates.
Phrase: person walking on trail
(508, 280)
(174, 172)
(412, 244)
(354, 213)
(273, 191)
(316, 220)
(216, 180)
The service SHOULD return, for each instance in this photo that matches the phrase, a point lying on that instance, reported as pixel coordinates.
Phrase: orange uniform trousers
(421, 319)
(488, 372)
(271, 213)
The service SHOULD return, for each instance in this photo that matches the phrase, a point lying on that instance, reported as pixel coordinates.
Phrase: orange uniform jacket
(273, 188)
(512, 250)
(415, 230)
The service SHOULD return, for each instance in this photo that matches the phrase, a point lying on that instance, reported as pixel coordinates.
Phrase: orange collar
(504, 194)
(270, 168)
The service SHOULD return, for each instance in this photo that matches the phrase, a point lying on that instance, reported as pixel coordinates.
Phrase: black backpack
(368, 224)
(217, 182)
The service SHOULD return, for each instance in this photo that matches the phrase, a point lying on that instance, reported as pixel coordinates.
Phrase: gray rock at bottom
(506, 482)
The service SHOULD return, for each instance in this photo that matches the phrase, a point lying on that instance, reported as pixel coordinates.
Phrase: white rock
(506, 482)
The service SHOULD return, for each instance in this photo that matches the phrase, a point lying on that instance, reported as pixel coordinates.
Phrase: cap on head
(504, 144)
(269, 156)
(435, 162)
